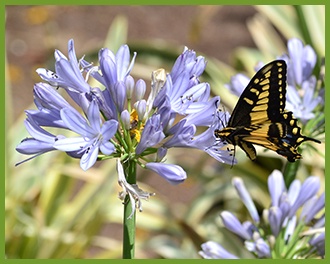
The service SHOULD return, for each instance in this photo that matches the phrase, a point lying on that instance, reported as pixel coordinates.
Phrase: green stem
(303, 25)
(290, 172)
(129, 223)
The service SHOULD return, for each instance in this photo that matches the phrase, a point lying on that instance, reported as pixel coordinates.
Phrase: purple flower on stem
(284, 235)
(108, 123)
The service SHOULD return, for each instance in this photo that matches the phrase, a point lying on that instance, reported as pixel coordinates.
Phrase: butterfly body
(260, 117)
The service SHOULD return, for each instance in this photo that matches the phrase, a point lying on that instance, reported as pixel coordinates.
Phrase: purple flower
(49, 104)
(276, 186)
(303, 106)
(259, 246)
(213, 250)
(301, 91)
(234, 225)
(312, 207)
(309, 188)
(237, 84)
(151, 135)
(318, 242)
(115, 68)
(95, 136)
(172, 173)
(246, 198)
(184, 98)
(188, 62)
(183, 88)
(140, 89)
(302, 61)
(184, 132)
(67, 74)
(108, 123)
(141, 107)
(284, 225)
(182, 135)
(41, 141)
(148, 123)
(275, 219)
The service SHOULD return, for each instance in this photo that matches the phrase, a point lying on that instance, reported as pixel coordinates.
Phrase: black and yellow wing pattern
(260, 117)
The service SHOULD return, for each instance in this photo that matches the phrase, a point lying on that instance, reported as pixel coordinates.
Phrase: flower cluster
(282, 233)
(302, 97)
(116, 120)
(301, 62)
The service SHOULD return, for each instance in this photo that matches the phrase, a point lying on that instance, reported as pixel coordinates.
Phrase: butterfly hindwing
(260, 117)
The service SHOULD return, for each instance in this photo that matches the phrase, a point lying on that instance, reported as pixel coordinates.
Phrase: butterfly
(260, 118)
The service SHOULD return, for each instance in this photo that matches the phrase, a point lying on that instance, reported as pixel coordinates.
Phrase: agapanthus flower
(107, 123)
(287, 230)
(302, 96)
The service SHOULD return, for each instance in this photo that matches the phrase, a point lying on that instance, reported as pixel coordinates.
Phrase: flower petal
(308, 189)
(234, 225)
(275, 220)
(246, 198)
(174, 174)
(89, 158)
(212, 250)
(70, 144)
(276, 186)
(74, 121)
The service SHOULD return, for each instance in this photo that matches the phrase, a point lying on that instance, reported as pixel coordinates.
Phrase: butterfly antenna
(221, 121)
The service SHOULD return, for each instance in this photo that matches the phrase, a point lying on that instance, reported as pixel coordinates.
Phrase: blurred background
(55, 210)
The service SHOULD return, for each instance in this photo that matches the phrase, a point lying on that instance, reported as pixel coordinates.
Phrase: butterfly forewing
(264, 97)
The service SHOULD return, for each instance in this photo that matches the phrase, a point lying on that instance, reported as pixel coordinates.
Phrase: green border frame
(128, 2)
(159, 2)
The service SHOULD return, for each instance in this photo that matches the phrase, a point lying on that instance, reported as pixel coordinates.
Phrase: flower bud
(140, 89)
(172, 173)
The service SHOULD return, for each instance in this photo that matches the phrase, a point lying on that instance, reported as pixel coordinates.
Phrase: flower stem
(290, 171)
(129, 223)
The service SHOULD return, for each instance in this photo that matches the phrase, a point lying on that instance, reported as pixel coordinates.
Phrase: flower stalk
(129, 215)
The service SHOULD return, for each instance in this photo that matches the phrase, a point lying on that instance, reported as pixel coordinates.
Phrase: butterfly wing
(263, 99)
